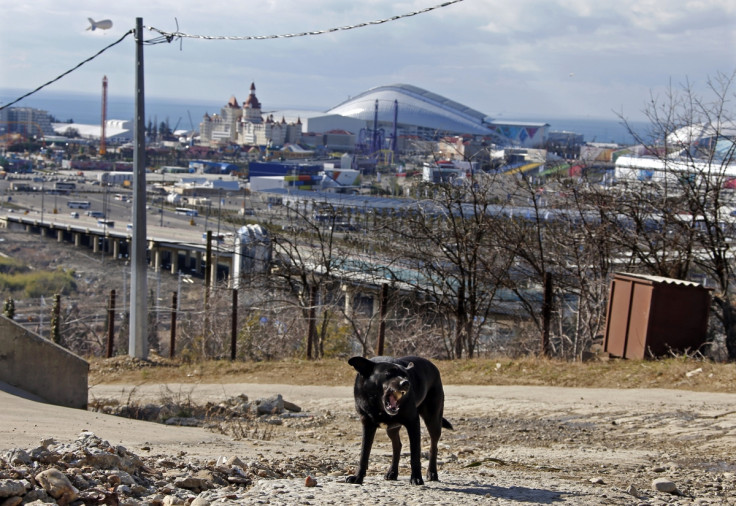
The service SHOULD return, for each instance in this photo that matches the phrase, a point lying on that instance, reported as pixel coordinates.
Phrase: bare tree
(688, 193)
(313, 256)
(449, 255)
(581, 249)
(561, 253)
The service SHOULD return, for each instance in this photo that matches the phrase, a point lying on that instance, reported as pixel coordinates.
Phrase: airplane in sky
(103, 24)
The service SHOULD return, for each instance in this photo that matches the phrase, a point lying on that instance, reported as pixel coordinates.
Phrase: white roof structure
(647, 168)
(202, 182)
(416, 107)
(116, 129)
(428, 115)
(699, 131)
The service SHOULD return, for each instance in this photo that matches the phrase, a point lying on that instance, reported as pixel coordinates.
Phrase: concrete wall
(41, 367)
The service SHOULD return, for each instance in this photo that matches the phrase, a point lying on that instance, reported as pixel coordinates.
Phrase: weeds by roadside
(677, 372)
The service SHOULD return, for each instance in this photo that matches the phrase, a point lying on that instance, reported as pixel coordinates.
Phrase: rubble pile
(92, 471)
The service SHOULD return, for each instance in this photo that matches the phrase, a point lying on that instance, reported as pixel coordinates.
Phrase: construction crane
(104, 115)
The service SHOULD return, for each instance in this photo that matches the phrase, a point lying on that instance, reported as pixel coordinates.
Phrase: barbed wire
(170, 36)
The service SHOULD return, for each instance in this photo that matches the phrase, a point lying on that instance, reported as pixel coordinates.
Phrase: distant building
(523, 134)
(246, 125)
(565, 144)
(447, 171)
(600, 152)
(694, 151)
(339, 140)
(210, 167)
(425, 115)
(25, 120)
(565, 138)
(116, 130)
(302, 176)
(396, 117)
(673, 170)
(294, 152)
(323, 123)
(203, 187)
(270, 169)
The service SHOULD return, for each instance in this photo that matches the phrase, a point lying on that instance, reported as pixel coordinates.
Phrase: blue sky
(508, 59)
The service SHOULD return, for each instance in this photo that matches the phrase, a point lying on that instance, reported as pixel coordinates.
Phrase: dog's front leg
(415, 448)
(369, 433)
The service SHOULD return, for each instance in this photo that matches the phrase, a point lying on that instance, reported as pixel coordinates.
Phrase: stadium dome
(419, 111)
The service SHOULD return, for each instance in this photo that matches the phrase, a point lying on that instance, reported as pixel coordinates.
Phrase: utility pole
(382, 324)
(110, 324)
(138, 335)
(103, 149)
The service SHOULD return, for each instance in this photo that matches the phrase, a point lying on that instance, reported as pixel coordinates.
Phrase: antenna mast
(104, 115)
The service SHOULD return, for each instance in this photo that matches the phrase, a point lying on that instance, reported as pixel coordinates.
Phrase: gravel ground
(511, 445)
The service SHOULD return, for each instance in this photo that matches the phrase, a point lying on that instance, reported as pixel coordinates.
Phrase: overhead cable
(98, 53)
(170, 36)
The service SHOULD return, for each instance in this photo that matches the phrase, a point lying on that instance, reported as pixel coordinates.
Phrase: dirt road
(511, 445)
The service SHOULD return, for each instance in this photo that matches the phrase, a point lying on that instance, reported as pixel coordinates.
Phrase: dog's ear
(409, 365)
(362, 365)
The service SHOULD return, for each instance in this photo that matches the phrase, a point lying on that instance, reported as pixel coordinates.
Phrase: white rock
(57, 484)
(665, 485)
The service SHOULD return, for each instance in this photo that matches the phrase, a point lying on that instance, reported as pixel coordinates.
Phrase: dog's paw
(416, 480)
(355, 480)
(392, 475)
(432, 476)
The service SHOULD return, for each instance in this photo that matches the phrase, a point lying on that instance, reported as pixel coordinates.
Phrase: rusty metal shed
(648, 316)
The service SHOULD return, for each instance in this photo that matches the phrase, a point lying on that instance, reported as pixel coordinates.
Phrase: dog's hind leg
(415, 449)
(393, 435)
(369, 433)
(434, 430)
(433, 422)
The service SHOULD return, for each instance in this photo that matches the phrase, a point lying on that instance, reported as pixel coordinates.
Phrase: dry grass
(679, 373)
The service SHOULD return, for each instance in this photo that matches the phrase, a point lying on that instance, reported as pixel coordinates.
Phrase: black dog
(396, 392)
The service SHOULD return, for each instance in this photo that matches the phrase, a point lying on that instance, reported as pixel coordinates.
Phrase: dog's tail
(446, 424)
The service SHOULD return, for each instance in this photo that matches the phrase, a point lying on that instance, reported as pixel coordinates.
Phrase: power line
(167, 37)
(98, 53)
(170, 36)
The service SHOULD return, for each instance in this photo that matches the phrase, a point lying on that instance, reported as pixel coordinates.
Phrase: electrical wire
(98, 53)
(170, 36)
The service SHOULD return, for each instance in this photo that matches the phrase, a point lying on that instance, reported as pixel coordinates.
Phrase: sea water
(87, 110)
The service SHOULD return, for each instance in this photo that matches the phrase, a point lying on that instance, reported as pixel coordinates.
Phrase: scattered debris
(665, 485)
(93, 471)
(692, 373)
(633, 491)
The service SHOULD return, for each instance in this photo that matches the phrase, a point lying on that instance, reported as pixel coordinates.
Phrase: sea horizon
(86, 109)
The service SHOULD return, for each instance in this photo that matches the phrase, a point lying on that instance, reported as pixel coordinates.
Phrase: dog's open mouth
(391, 401)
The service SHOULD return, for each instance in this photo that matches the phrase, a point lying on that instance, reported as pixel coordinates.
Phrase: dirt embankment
(511, 444)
